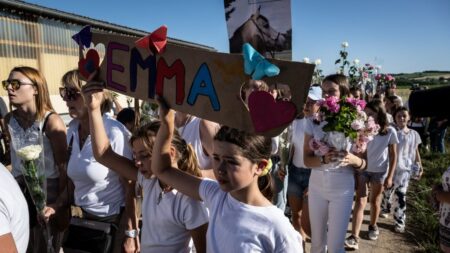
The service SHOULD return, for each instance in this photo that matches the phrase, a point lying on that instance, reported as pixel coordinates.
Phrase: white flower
(306, 60)
(318, 61)
(356, 61)
(357, 124)
(30, 152)
(344, 44)
(378, 67)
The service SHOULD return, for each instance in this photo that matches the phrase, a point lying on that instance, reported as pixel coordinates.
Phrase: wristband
(131, 233)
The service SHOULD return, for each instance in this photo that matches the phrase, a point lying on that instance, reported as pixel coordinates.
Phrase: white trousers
(330, 204)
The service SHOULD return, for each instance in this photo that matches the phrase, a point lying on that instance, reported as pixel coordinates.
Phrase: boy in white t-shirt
(14, 223)
(408, 166)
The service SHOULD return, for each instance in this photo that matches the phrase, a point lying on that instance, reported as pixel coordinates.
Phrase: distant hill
(427, 78)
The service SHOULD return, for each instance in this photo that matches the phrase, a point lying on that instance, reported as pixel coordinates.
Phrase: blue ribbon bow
(256, 65)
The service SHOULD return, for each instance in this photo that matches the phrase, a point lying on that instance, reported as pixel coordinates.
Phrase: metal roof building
(40, 37)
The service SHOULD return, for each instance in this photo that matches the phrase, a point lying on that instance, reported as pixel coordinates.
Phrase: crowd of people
(180, 183)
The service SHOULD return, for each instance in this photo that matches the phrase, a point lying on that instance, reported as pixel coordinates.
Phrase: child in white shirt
(170, 219)
(408, 158)
(242, 219)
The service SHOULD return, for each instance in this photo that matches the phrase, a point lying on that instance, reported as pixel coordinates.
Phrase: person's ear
(262, 166)
(173, 154)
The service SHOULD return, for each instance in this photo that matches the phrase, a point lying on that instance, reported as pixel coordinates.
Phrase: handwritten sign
(202, 83)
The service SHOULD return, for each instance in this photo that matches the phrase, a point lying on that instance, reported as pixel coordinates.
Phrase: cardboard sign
(202, 83)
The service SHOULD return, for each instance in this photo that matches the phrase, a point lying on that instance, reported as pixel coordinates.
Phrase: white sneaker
(373, 232)
(384, 215)
(399, 228)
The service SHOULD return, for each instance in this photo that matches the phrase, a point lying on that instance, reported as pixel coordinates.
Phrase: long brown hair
(42, 99)
(341, 81)
(186, 158)
(254, 148)
(381, 119)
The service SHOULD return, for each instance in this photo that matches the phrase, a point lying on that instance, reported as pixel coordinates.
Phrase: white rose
(344, 44)
(318, 62)
(356, 61)
(306, 60)
(29, 153)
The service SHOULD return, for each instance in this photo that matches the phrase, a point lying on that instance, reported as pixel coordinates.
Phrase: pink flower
(378, 77)
(331, 103)
(318, 146)
(314, 144)
(323, 149)
(357, 124)
(359, 147)
(365, 74)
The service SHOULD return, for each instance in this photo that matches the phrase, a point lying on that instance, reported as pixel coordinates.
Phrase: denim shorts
(298, 180)
(366, 177)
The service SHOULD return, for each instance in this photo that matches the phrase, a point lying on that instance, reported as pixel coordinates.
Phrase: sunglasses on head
(15, 84)
(69, 94)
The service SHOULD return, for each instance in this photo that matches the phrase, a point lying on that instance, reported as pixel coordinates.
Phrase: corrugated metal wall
(41, 43)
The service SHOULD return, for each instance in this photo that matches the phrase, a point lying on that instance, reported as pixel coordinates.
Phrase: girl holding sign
(242, 219)
(170, 218)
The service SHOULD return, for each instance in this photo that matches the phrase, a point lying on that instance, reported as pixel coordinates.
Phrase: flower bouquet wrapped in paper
(345, 123)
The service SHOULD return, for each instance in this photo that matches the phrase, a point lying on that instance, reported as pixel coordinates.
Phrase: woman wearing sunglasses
(98, 191)
(33, 113)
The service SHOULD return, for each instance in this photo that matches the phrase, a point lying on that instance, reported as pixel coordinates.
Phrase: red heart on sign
(268, 114)
(88, 65)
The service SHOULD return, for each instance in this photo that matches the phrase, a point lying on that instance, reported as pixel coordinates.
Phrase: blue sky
(400, 35)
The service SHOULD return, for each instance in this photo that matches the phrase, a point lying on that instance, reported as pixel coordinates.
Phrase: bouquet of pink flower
(385, 80)
(345, 122)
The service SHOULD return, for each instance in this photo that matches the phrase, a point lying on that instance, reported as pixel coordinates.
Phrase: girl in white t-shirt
(381, 164)
(170, 219)
(242, 219)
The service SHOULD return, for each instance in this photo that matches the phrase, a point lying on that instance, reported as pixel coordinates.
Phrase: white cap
(315, 93)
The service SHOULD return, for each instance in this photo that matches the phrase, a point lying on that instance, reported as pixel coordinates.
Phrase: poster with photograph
(265, 24)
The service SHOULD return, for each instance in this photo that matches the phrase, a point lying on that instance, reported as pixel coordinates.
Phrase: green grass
(422, 219)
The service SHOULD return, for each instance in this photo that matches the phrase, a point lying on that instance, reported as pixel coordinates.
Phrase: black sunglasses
(15, 84)
(68, 94)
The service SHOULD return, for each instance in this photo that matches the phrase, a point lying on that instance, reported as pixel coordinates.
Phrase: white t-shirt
(191, 134)
(406, 149)
(167, 218)
(444, 209)
(238, 227)
(378, 152)
(13, 211)
(51, 171)
(298, 139)
(97, 188)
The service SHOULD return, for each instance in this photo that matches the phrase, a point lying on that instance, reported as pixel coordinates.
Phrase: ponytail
(188, 161)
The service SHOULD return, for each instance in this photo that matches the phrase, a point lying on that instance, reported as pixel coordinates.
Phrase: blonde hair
(186, 158)
(72, 78)
(43, 103)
